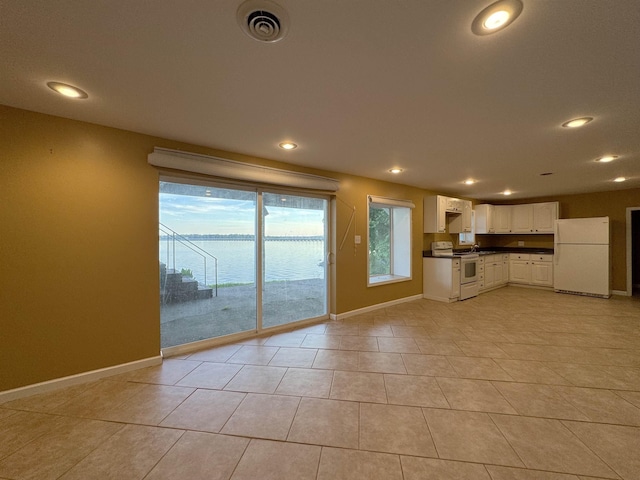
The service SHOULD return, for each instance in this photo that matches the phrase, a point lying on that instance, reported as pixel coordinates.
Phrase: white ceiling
(360, 85)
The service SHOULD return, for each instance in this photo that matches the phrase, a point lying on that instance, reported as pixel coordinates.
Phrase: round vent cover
(263, 20)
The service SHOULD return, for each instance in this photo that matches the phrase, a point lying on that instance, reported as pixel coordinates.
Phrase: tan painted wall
(78, 243)
(79, 212)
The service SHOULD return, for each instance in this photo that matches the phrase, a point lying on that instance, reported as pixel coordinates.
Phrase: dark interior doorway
(635, 252)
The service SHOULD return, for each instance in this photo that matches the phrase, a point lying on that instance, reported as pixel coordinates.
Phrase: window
(389, 240)
(469, 238)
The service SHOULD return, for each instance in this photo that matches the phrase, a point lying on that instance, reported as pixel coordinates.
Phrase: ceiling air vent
(263, 20)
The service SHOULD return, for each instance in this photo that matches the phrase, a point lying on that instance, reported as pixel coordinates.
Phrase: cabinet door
(497, 267)
(441, 214)
(502, 218)
(542, 273)
(484, 218)
(466, 216)
(544, 217)
(461, 222)
(522, 218)
(505, 272)
(455, 279)
(435, 219)
(489, 274)
(519, 271)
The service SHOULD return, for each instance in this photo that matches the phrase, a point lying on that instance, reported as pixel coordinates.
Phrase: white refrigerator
(582, 257)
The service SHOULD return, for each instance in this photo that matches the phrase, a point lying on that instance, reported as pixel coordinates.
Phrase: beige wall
(79, 250)
(78, 245)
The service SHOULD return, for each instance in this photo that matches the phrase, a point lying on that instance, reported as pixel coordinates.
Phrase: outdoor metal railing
(172, 237)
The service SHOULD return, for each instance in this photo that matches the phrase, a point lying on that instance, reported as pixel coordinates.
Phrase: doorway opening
(633, 251)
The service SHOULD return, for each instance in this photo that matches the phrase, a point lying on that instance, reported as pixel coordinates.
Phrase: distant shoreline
(241, 237)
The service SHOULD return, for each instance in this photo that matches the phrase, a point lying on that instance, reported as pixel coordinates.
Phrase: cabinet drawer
(455, 262)
(542, 258)
(519, 256)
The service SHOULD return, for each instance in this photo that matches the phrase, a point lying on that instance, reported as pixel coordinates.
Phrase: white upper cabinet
(522, 218)
(435, 214)
(438, 208)
(545, 216)
(484, 218)
(454, 205)
(502, 218)
(461, 223)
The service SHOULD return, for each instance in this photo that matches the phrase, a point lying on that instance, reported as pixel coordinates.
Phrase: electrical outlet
(521, 243)
(358, 240)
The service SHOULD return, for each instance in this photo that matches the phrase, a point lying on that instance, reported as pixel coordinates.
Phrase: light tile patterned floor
(517, 384)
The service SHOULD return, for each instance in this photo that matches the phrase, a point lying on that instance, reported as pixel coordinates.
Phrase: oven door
(468, 270)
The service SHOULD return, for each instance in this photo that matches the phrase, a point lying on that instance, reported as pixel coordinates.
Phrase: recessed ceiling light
(396, 170)
(287, 145)
(67, 90)
(469, 181)
(607, 158)
(496, 16)
(577, 122)
(619, 179)
(507, 192)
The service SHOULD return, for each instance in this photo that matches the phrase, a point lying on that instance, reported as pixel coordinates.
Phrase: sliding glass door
(235, 260)
(207, 262)
(294, 247)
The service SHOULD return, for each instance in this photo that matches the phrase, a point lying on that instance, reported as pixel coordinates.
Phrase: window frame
(401, 241)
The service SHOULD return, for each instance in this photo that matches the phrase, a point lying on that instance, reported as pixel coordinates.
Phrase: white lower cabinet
(542, 270)
(494, 271)
(441, 279)
(529, 269)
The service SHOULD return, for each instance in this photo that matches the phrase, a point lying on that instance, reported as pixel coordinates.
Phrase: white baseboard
(371, 308)
(620, 292)
(77, 379)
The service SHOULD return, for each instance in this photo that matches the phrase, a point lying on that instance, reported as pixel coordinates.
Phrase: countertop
(493, 250)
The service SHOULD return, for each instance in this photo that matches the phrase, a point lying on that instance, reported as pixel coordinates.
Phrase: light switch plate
(358, 239)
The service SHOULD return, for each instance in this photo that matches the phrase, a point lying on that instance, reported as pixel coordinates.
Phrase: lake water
(283, 260)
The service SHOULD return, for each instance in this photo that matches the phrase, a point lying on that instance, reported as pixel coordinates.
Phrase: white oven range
(468, 267)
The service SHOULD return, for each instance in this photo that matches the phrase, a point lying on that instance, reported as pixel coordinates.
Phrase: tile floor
(515, 384)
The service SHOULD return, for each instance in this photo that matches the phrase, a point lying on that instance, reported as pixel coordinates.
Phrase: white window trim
(384, 202)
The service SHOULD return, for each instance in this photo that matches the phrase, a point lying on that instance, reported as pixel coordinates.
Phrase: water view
(284, 259)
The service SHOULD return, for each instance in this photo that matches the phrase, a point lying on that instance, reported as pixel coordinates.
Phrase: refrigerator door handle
(556, 241)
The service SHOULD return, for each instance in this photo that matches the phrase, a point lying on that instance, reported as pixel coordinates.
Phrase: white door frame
(630, 251)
